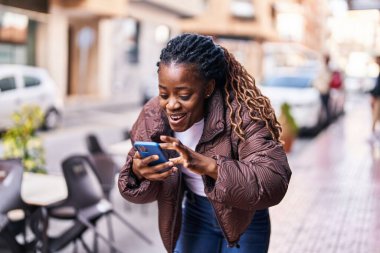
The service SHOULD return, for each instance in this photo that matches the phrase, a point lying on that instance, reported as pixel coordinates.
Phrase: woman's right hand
(142, 170)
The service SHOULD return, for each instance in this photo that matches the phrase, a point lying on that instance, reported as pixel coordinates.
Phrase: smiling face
(183, 94)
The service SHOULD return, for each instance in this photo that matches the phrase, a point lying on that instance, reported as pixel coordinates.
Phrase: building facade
(69, 38)
(239, 25)
(99, 49)
(155, 22)
(304, 22)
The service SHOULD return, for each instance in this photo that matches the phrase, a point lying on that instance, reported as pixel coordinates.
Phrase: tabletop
(43, 189)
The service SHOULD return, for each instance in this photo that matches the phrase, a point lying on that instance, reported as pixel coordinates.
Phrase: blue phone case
(147, 148)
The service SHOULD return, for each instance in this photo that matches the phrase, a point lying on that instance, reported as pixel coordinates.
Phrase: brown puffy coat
(252, 174)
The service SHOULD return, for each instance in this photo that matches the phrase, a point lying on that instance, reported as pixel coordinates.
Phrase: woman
(222, 138)
(375, 100)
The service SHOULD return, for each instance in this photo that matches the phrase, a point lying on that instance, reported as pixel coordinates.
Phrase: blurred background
(90, 65)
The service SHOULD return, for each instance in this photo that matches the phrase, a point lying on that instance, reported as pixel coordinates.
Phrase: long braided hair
(215, 62)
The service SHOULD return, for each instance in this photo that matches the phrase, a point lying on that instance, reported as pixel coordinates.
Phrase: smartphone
(149, 148)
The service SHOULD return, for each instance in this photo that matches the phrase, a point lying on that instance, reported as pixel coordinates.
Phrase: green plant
(287, 119)
(22, 141)
(289, 127)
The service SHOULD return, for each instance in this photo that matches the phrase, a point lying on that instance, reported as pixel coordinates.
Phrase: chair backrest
(11, 171)
(93, 145)
(105, 169)
(83, 186)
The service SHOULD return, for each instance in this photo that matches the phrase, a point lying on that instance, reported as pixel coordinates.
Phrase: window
(162, 34)
(31, 81)
(7, 83)
(243, 9)
(129, 36)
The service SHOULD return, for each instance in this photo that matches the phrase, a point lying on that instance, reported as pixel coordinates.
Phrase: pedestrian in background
(375, 99)
(323, 84)
(222, 138)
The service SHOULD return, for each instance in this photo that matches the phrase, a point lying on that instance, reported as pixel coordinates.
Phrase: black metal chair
(104, 164)
(86, 202)
(105, 170)
(93, 144)
(45, 243)
(11, 172)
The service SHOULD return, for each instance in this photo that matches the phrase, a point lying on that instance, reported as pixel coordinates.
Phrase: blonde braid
(243, 86)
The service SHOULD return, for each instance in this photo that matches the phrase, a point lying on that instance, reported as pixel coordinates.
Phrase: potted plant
(22, 141)
(289, 127)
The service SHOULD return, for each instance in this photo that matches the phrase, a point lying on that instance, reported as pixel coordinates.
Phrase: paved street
(108, 122)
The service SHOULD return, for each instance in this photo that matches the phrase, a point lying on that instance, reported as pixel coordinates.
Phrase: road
(109, 124)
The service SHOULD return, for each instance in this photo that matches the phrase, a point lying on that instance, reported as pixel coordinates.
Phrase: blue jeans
(201, 232)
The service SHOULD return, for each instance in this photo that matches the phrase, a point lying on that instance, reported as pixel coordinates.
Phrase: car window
(31, 81)
(7, 83)
(288, 81)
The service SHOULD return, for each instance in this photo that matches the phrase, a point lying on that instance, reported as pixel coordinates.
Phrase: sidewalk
(81, 103)
(333, 201)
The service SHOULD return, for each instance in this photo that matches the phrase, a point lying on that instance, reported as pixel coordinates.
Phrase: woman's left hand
(190, 159)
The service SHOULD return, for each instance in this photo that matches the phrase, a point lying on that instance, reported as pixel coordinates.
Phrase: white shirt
(190, 138)
(322, 82)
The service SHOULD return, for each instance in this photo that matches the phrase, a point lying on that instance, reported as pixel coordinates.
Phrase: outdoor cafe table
(42, 189)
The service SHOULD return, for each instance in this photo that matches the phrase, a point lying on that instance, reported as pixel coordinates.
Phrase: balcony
(32, 5)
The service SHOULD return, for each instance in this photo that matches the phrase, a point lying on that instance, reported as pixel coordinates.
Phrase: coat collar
(214, 118)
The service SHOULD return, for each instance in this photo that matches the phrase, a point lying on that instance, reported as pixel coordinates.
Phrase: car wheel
(52, 119)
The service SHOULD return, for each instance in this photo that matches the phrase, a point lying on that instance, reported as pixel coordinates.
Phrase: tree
(22, 141)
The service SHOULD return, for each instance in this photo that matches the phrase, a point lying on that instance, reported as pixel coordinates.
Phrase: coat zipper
(213, 207)
(222, 228)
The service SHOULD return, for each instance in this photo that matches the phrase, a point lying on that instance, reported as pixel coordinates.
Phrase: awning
(32, 5)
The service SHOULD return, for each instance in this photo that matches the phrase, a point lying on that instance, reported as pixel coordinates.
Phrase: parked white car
(24, 85)
(298, 91)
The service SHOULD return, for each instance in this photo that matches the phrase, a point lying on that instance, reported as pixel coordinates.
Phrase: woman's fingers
(172, 143)
(166, 138)
(163, 175)
(157, 172)
(146, 170)
(176, 160)
(149, 159)
(161, 166)
(137, 155)
(159, 176)
(181, 149)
